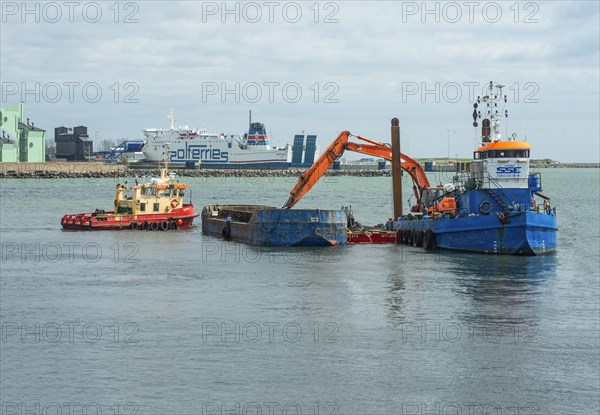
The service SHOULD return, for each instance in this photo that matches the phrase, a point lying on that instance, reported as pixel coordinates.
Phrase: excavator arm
(312, 175)
(335, 150)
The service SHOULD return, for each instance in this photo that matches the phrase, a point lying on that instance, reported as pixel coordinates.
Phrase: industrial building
(20, 139)
(73, 144)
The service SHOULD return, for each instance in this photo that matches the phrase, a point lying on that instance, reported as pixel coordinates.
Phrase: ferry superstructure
(216, 150)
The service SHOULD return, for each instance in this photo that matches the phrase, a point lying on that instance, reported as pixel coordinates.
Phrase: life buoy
(485, 207)
(164, 226)
(174, 203)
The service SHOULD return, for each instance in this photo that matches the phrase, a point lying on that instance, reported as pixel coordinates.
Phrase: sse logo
(508, 170)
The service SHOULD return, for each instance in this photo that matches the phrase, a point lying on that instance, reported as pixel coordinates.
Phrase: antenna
(249, 118)
(171, 118)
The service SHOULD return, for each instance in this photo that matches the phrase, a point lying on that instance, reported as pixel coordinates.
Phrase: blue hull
(266, 226)
(523, 233)
(528, 233)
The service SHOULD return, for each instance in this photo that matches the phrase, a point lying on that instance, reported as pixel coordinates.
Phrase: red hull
(372, 237)
(108, 221)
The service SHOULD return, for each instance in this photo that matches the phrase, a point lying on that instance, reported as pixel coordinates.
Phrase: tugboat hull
(109, 221)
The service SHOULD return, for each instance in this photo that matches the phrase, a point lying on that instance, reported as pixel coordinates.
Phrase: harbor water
(140, 322)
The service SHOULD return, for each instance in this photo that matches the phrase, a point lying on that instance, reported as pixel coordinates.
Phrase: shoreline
(64, 170)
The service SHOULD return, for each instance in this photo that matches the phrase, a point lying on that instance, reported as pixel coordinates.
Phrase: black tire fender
(429, 240)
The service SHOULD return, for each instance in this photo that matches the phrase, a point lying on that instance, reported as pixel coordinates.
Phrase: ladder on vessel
(498, 198)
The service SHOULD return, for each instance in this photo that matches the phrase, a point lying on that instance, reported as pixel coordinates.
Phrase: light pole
(453, 132)
(96, 142)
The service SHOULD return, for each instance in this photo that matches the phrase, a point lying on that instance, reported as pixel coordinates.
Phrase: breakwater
(141, 173)
(99, 170)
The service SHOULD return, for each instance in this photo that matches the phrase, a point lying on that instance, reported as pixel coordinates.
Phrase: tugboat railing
(502, 196)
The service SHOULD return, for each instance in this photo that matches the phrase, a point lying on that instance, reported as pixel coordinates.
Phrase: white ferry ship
(219, 150)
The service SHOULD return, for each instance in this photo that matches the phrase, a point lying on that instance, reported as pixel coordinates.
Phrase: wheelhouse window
(150, 191)
(181, 192)
(504, 154)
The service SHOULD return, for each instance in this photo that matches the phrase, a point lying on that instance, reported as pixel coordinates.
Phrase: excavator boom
(335, 150)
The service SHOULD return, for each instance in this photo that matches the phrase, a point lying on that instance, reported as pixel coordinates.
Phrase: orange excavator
(373, 148)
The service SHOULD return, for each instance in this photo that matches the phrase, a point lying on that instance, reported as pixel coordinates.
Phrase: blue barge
(497, 207)
(270, 226)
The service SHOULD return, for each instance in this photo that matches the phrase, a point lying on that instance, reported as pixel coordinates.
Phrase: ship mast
(171, 118)
(164, 170)
(490, 125)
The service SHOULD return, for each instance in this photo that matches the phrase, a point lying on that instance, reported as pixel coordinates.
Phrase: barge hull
(269, 226)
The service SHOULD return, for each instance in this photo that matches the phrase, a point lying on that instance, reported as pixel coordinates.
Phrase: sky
(317, 67)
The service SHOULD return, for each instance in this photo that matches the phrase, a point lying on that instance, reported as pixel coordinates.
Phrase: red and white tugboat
(157, 205)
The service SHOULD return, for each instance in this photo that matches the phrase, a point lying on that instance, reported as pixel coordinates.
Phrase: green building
(20, 140)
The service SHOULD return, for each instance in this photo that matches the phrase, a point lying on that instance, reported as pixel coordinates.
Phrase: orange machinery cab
(447, 204)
